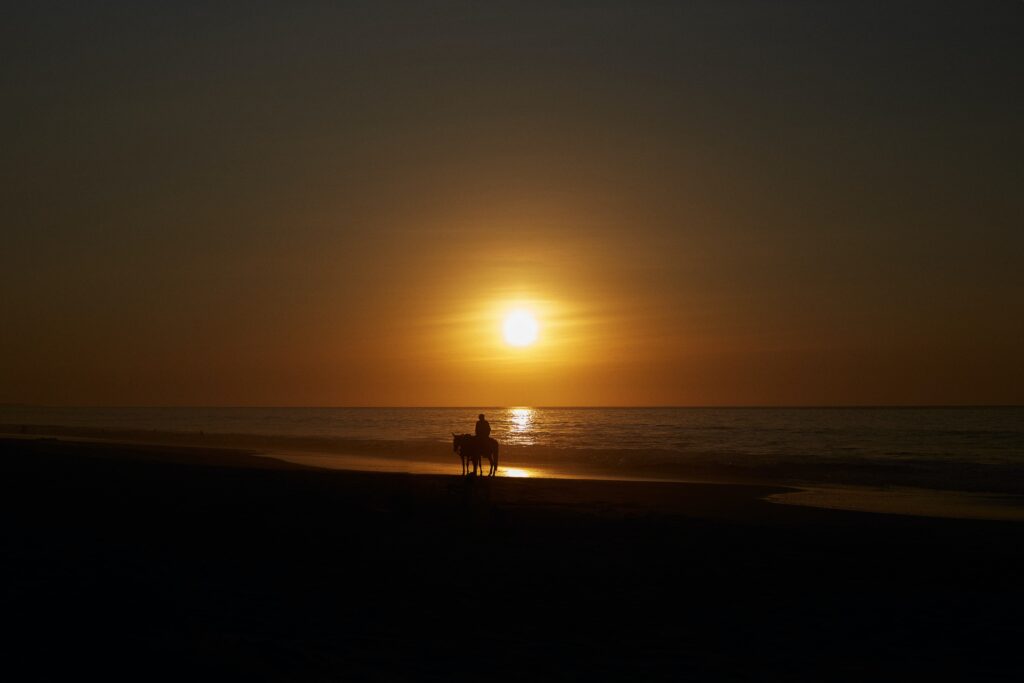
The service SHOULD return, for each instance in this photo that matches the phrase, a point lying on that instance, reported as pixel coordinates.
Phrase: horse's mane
(471, 438)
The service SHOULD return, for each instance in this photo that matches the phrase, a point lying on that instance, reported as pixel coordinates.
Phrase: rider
(483, 427)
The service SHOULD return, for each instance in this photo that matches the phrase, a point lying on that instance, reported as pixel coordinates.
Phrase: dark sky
(704, 203)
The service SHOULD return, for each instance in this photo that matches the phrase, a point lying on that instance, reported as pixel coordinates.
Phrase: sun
(520, 328)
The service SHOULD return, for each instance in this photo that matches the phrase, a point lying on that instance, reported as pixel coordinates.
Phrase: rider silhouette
(483, 427)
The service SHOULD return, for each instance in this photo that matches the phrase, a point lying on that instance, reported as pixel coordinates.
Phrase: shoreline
(879, 499)
(568, 490)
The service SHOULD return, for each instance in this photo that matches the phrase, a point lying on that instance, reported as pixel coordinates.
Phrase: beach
(166, 562)
(727, 296)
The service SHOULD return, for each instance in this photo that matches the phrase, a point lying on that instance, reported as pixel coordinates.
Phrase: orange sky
(718, 205)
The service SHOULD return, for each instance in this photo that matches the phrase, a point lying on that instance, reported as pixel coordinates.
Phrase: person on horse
(471, 447)
(483, 427)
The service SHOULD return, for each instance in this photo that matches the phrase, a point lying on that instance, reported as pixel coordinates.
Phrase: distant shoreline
(874, 499)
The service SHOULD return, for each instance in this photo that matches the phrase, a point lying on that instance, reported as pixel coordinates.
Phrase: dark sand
(167, 563)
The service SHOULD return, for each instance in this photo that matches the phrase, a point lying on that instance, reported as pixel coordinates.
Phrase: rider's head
(481, 416)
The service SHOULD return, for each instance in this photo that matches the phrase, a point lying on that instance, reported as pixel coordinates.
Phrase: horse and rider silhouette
(472, 447)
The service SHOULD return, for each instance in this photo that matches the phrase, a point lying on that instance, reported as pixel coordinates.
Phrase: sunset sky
(702, 203)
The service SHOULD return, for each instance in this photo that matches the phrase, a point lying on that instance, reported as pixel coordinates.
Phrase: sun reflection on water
(520, 430)
(520, 425)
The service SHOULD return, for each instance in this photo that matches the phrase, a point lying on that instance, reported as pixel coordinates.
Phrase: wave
(896, 468)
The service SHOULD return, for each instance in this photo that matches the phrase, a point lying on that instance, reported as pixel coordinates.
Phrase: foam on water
(968, 449)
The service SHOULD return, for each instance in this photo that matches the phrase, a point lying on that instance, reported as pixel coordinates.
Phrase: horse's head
(460, 440)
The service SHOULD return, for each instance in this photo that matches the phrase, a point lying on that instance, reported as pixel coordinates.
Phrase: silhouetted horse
(470, 449)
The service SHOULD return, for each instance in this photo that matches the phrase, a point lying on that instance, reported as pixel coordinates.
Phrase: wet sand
(908, 501)
(1004, 501)
(149, 562)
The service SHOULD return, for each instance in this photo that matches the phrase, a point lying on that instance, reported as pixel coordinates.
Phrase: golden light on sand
(520, 328)
(517, 472)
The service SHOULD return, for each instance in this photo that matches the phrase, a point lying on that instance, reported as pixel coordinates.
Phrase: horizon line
(795, 406)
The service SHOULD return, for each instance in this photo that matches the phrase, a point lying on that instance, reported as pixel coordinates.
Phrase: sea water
(973, 449)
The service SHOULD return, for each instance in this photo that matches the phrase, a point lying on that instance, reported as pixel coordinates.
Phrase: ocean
(959, 449)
